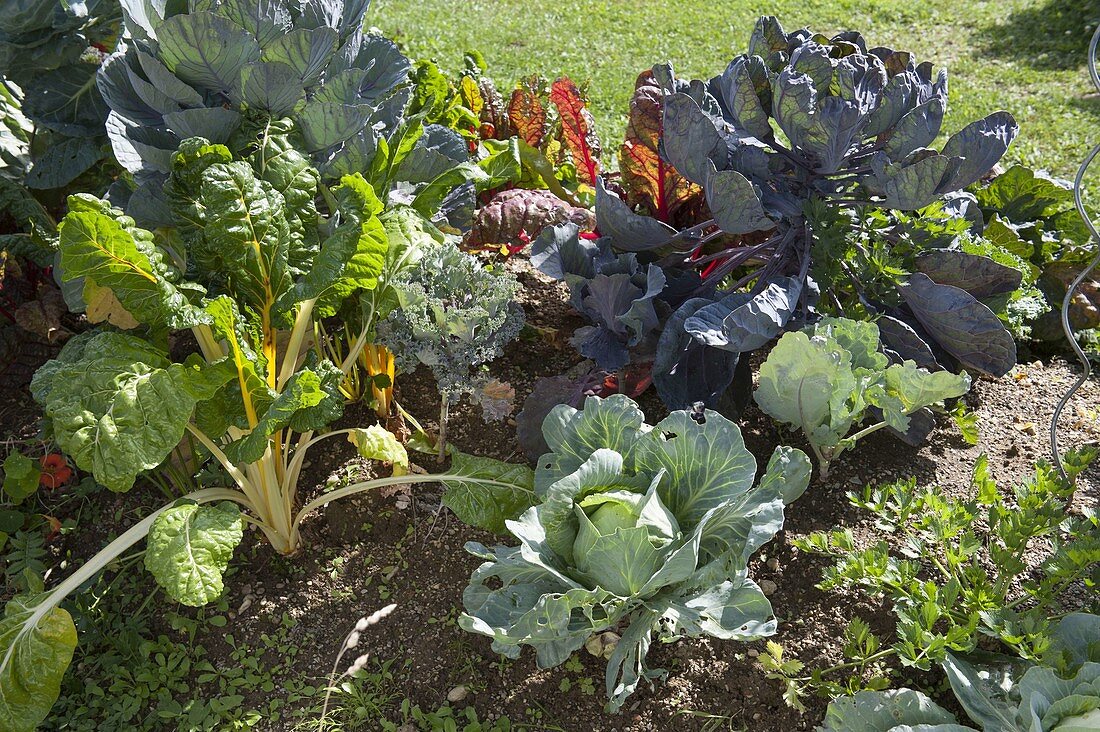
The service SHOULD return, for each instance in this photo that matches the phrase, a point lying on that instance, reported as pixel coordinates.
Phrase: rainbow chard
(248, 269)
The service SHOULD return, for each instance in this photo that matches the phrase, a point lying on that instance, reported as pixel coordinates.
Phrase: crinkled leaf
(189, 548)
(117, 407)
(527, 115)
(378, 443)
(514, 217)
(487, 505)
(97, 247)
(302, 391)
(33, 661)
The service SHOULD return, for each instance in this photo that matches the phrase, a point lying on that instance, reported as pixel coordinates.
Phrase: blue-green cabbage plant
(828, 378)
(1060, 695)
(645, 530)
(52, 51)
(210, 68)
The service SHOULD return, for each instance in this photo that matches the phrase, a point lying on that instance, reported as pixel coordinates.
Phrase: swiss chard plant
(559, 151)
(645, 530)
(1031, 216)
(791, 146)
(248, 267)
(828, 379)
(954, 571)
(1061, 693)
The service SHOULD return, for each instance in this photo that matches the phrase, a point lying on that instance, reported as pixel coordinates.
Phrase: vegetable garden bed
(743, 427)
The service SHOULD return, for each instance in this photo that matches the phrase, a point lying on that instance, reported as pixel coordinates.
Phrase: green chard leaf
(33, 660)
(99, 248)
(190, 546)
(118, 407)
(487, 505)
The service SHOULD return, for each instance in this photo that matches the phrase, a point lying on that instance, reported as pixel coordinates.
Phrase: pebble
(773, 564)
(245, 604)
(753, 653)
(457, 694)
(768, 587)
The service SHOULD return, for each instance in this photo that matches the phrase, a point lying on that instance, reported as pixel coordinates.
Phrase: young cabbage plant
(645, 530)
(792, 145)
(246, 272)
(1060, 694)
(829, 378)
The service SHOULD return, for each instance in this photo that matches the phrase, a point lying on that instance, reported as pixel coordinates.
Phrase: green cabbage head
(643, 530)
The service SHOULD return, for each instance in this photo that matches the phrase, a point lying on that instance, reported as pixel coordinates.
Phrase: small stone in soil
(457, 694)
(768, 587)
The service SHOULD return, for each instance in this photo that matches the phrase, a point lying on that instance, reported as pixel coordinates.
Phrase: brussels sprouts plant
(247, 270)
(641, 529)
(793, 144)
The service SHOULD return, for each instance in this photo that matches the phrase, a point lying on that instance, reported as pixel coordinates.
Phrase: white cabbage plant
(638, 529)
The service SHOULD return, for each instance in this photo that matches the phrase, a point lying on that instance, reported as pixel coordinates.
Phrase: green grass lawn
(1026, 56)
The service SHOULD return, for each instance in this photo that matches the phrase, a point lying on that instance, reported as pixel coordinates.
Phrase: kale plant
(644, 530)
(792, 145)
(453, 316)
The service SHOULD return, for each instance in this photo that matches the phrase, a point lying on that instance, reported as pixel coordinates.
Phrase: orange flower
(55, 471)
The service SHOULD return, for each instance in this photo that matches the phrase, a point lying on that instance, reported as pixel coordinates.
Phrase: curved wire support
(1077, 189)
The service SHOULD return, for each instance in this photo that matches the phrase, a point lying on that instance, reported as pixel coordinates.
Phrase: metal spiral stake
(1077, 190)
